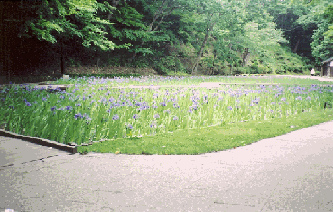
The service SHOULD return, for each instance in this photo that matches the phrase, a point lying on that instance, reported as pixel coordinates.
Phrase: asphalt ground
(292, 172)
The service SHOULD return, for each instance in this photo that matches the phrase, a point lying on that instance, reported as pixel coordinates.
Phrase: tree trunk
(245, 56)
(6, 39)
(210, 28)
(159, 13)
(62, 61)
(114, 3)
(200, 52)
(296, 46)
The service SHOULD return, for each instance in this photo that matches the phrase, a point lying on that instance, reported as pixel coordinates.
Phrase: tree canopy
(206, 36)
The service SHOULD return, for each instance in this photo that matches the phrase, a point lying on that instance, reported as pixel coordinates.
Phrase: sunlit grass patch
(211, 139)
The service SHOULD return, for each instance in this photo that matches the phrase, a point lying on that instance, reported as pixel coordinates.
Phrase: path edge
(40, 141)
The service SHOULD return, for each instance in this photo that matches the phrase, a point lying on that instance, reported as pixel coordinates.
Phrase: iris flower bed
(192, 80)
(93, 110)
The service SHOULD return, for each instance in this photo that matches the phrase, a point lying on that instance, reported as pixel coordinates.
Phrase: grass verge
(212, 139)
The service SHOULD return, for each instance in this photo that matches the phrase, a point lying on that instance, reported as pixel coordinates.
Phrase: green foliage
(211, 36)
(61, 20)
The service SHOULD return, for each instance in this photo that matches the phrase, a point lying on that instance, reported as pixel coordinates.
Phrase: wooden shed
(327, 67)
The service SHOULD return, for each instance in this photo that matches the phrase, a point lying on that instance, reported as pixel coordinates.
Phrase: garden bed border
(40, 141)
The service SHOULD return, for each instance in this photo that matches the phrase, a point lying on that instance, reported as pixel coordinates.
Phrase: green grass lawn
(211, 139)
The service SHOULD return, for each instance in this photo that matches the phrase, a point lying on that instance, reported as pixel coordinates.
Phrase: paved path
(293, 172)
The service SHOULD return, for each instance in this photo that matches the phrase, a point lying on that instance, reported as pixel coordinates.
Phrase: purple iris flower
(130, 126)
(175, 118)
(115, 117)
(27, 103)
(299, 98)
(135, 116)
(68, 107)
(78, 115)
(43, 99)
(229, 108)
(163, 104)
(156, 116)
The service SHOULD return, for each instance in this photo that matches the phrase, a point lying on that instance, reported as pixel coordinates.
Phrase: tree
(62, 20)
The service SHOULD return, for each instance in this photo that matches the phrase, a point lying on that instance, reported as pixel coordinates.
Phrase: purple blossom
(166, 111)
(43, 99)
(78, 105)
(68, 107)
(156, 116)
(163, 104)
(115, 117)
(229, 108)
(299, 98)
(78, 115)
(27, 103)
(308, 98)
(102, 100)
(283, 99)
(135, 116)
(130, 126)
(175, 118)
(256, 101)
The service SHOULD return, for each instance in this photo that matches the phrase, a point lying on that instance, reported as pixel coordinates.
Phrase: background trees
(193, 36)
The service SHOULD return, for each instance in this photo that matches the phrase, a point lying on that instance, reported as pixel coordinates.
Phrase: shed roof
(328, 60)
